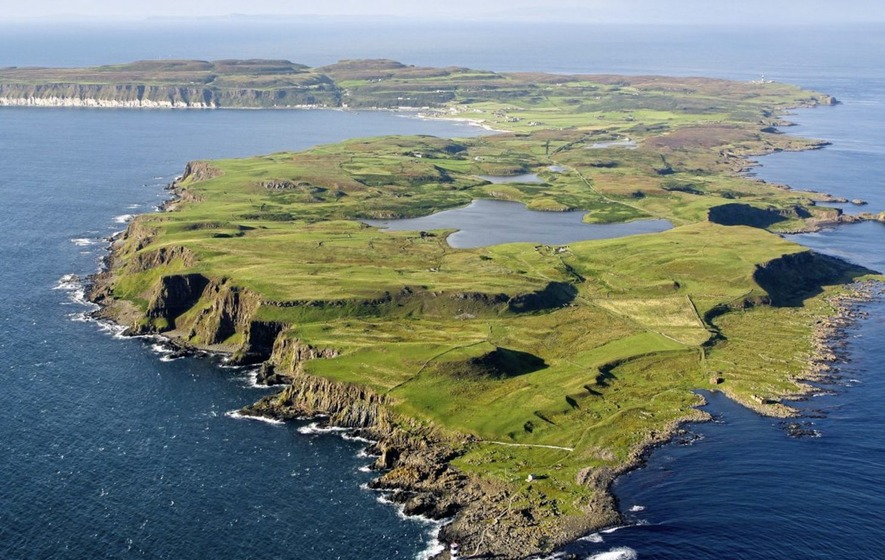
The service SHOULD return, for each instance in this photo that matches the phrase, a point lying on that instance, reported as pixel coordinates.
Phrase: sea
(111, 447)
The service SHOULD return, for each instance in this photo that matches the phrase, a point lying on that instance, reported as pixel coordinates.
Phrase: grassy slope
(596, 377)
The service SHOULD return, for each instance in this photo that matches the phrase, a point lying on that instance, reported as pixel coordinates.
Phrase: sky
(786, 12)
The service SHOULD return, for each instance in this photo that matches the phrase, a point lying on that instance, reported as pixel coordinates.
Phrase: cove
(484, 223)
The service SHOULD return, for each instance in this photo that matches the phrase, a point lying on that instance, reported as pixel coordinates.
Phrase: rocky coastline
(412, 459)
(829, 338)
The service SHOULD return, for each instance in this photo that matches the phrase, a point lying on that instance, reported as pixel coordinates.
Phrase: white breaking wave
(594, 538)
(166, 353)
(636, 509)
(315, 428)
(123, 219)
(351, 437)
(250, 377)
(85, 241)
(434, 546)
(73, 285)
(68, 282)
(620, 553)
(82, 317)
(236, 414)
(116, 331)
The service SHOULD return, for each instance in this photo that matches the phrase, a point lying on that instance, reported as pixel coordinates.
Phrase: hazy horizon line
(396, 18)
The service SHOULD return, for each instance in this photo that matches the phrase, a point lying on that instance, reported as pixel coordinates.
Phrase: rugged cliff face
(164, 97)
(214, 314)
(287, 360)
(223, 311)
(174, 295)
(347, 406)
(413, 458)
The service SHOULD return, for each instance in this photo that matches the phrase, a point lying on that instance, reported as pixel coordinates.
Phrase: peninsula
(505, 387)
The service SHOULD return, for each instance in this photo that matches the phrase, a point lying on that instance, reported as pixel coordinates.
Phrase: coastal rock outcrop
(342, 405)
(199, 171)
(287, 359)
(164, 256)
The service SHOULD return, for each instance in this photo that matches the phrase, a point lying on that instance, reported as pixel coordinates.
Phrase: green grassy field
(555, 359)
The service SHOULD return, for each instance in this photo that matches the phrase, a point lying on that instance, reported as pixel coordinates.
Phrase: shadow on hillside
(791, 279)
(745, 215)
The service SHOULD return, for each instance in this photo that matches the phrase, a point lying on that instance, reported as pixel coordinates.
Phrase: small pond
(524, 178)
(483, 223)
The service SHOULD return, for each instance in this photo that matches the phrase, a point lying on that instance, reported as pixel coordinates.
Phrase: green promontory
(505, 386)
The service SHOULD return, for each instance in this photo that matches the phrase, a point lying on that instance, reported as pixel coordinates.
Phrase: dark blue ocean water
(109, 452)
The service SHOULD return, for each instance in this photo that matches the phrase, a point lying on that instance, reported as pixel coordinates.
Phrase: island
(503, 387)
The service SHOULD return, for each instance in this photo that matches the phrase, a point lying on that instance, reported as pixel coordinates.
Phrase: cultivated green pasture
(555, 358)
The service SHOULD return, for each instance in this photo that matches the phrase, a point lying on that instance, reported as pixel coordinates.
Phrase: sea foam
(236, 414)
(592, 538)
(85, 241)
(315, 428)
(619, 553)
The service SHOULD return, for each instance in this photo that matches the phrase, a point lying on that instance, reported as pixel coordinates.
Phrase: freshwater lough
(111, 450)
(491, 222)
